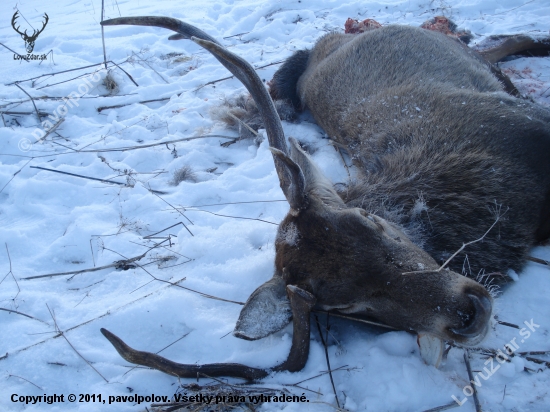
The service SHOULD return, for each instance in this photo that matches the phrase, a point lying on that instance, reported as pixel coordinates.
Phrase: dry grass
(183, 174)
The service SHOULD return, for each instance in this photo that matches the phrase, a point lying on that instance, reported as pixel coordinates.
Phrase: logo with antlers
(29, 40)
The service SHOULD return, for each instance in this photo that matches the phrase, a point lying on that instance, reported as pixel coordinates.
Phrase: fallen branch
(84, 177)
(78, 272)
(103, 33)
(471, 378)
(63, 71)
(10, 112)
(53, 129)
(510, 325)
(21, 57)
(23, 314)
(123, 149)
(443, 408)
(324, 342)
(459, 250)
(71, 345)
(26, 380)
(537, 260)
(11, 273)
(356, 319)
(117, 106)
(32, 100)
(232, 217)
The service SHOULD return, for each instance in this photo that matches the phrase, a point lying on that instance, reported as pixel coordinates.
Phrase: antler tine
(13, 19)
(46, 19)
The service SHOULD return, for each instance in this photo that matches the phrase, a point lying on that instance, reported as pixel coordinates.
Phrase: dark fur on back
(442, 150)
(283, 85)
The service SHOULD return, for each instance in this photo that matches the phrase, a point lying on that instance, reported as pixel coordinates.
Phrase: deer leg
(496, 48)
(301, 303)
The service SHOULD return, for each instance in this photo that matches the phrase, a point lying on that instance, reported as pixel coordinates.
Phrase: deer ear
(316, 184)
(266, 311)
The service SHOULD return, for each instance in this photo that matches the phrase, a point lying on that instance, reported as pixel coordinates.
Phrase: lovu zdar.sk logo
(29, 39)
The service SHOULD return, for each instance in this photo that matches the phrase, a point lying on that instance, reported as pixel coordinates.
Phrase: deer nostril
(478, 320)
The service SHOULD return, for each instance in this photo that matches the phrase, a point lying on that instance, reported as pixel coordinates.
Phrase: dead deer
(439, 145)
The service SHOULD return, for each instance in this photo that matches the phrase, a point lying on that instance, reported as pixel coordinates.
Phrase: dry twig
(32, 100)
(61, 333)
(84, 177)
(325, 341)
(464, 245)
(471, 378)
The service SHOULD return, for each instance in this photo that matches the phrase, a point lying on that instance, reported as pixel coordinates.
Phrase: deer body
(438, 143)
(441, 150)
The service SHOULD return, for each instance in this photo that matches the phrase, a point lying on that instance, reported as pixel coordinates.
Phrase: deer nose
(477, 323)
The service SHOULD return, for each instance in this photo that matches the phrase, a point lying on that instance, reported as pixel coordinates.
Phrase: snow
(54, 223)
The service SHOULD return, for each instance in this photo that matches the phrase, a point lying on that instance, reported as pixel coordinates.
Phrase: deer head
(329, 255)
(29, 40)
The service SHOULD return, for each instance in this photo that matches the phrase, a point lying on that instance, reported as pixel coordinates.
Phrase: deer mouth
(476, 326)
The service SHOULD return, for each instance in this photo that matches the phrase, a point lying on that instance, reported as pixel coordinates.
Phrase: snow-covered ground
(222, 221)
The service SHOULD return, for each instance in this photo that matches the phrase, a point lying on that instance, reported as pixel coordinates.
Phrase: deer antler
(301, 303)
(243, 71)
(15, 16)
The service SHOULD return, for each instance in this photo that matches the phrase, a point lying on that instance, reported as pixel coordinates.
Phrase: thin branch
(140, 60)
(84, 177)
(71, 345)
(181, 213)
(61, 72)
(471, 378)
(125, 72)
(321, 374)
(537, 260)
(510, 325)
(232, 217)
(368, 322)
(536, 352)
(327, 357)
(443, 408)
(23, 314)
(15, 113)
(206, 295)
(22, 57)
(162, 230)
(15, 174)
(26, 380)
(78, 272)
(250, 129)
(11, 273)
(509, 10)
(53, 128)
(464, 245)
(236, 203)
(103, 33)
(32, 100)
(539, 361)
(117, 106)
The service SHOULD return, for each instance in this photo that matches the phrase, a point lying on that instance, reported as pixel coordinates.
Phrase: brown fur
(423, 117)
